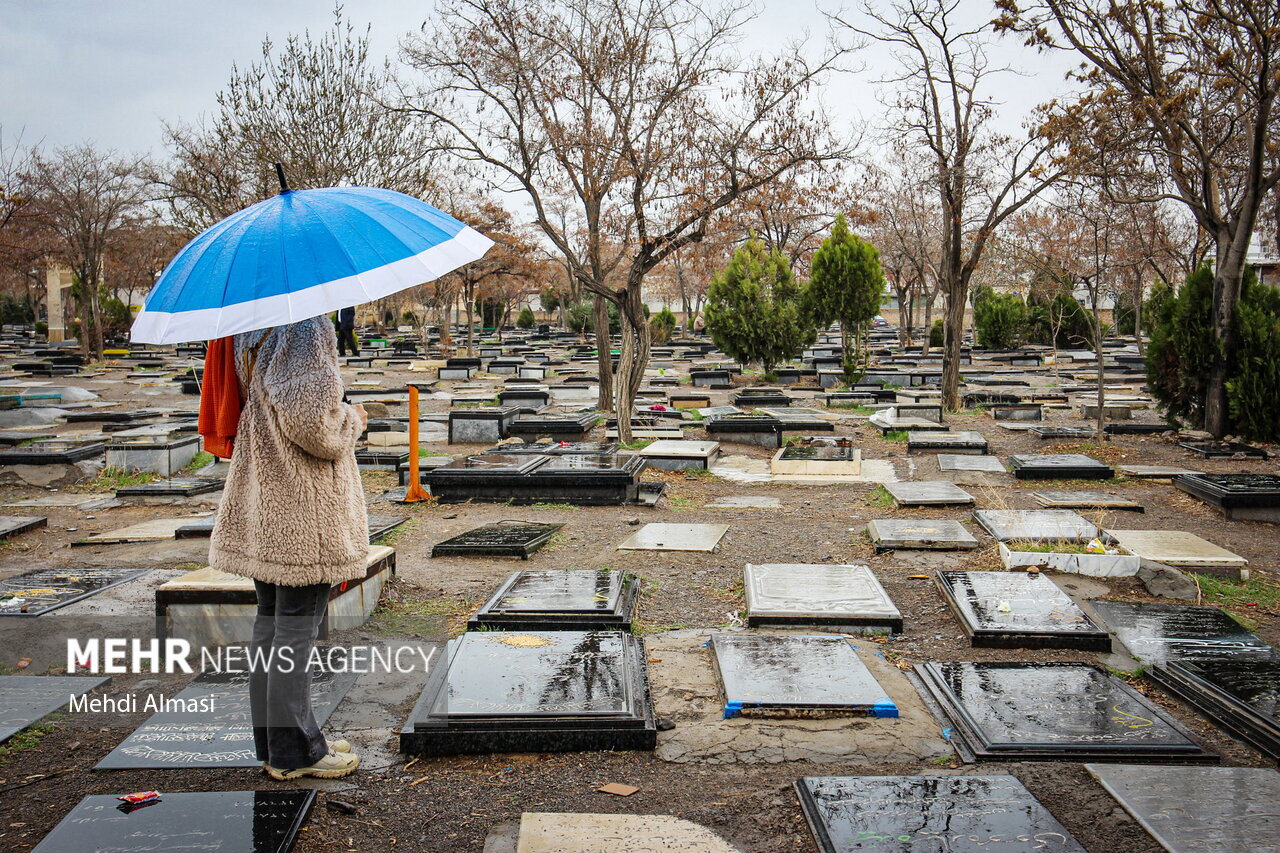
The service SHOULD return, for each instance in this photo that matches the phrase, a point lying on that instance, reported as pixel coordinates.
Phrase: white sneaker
(335, 765)
(339, 745)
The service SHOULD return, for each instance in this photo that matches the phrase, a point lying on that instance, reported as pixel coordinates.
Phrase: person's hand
(362, 414)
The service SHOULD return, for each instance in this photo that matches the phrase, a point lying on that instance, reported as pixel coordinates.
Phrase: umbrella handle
(284, 183)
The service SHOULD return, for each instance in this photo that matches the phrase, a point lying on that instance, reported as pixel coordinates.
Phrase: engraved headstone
(928, 493)
(1020, 610)
(42, 590)
(786, 673)
(1063, 432)
(213, 822)
(503, 539)
(221, 737)
(919, 534)
(1036, 525)
(560, 600)
(818, 594)
(961, 462)
(1084, 500)
(568, 832)
(956, 814)
(1241, 694)
(1244, 497)
(24, 699)
(964, 441)
(1176, 548)
(1157, 633)
(1003, 711)
(552, 691)
(1199, 808)
(1153, 472)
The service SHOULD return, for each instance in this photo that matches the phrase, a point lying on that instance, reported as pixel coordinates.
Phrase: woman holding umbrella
(293, 514)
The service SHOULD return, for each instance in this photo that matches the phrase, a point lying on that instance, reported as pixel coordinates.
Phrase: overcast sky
(113, 71)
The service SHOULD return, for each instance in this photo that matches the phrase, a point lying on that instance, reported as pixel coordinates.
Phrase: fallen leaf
(618, 789)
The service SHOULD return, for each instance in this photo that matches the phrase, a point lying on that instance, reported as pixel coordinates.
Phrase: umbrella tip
(284, 183)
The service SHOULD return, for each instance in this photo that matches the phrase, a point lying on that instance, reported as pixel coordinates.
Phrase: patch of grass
(1129, 674)
(683, 502)
(394, 536)
(115, 478)
(23, 740)
(880, 498)
(1048, 547)
(896, 435)
(641, 628)
(942, 760)
(27, 442)
(638, 444)
(693, 415)
(1242, 599)
(423, 452)
(197, 462)
(548, 505)
(405, 616)
(699, 474)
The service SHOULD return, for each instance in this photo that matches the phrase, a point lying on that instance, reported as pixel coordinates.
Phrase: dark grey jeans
(285, 732)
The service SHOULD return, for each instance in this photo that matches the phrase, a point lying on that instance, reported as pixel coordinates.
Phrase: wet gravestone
(1036, 525)
(1052, 712)
(1084, 500)
(38, 592)
(173, 487)
(1059, 466)
(1158, 633)
(220, 737)
(957, 814)
(1063, 432)
(1228, 809)
(1223, 449)
(919, 534)
(1241, 695)
(658, 536)
(24, 699)
(560, 600)
(202, 528)
(818, 594)
(962, 442)
(212, 822)
(928, 493)
(503, 539)
(54, 451)
(1018, 610)
(773, 674)
(1242, 497)
(552, 691)
(12, 525)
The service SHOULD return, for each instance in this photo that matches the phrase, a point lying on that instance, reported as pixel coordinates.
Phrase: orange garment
(220, 398)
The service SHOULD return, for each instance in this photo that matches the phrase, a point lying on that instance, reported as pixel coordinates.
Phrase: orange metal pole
(415, 492)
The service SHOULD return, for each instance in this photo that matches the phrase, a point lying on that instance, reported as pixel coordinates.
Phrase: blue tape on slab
(732, 709)
(884, 708)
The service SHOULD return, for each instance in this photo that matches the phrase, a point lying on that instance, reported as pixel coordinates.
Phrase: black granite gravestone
(1241, 696)
(24, 699)
(1018, 610)
(212, 822)
(503, 539)
(560, 600)
(222, 737)
(1246, 497)
(173, 487)
(37, 592)
(929, 814)
(1002, 711)
(788, 673)
(1059, 466)
(12, 525)
(54, 451)
(554, 691)
(1158, 633)
(1062, 432)
(1223, 449)
(202, 528)
(1227, 809)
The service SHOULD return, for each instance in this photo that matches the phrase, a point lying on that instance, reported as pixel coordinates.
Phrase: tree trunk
(1102, 370)
(633, 358)
(604, 358)
(1227, 282)
(952, 338)
(471, 325)
(927, 328)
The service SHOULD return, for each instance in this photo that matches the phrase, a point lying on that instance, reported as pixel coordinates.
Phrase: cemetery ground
(734, 777)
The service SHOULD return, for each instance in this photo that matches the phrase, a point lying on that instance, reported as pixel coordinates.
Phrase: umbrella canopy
(302, 254)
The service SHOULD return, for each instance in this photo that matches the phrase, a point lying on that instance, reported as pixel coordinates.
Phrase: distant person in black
(347, 331)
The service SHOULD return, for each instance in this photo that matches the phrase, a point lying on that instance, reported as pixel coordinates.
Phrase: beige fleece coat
(293, 510)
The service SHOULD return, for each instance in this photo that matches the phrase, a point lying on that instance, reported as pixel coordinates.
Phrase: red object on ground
(220, 401)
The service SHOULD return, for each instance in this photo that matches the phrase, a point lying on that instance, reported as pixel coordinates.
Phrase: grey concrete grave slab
(962, 462)
(678, 454)
(957, 814)
(818, 594)
(570, 832)
(153, 530)
(1189, 809)
(659, 536)
(745, 502)
(1177, 548)
(1065, 499)
(790, 672)
(1036, 525)
(919, 534)
(1154, 472)
(25, 699)
(928, 493)
(12, 525)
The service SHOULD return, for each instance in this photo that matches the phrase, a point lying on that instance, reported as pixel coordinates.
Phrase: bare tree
(85, 196)
(981, 176)
(314, 105)
(636, 117)
(906, 231)
(1183, 95)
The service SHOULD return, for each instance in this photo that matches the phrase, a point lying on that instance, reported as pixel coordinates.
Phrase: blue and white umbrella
(302, 254)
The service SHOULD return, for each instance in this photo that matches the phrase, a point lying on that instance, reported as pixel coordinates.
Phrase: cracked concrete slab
(685, 689)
